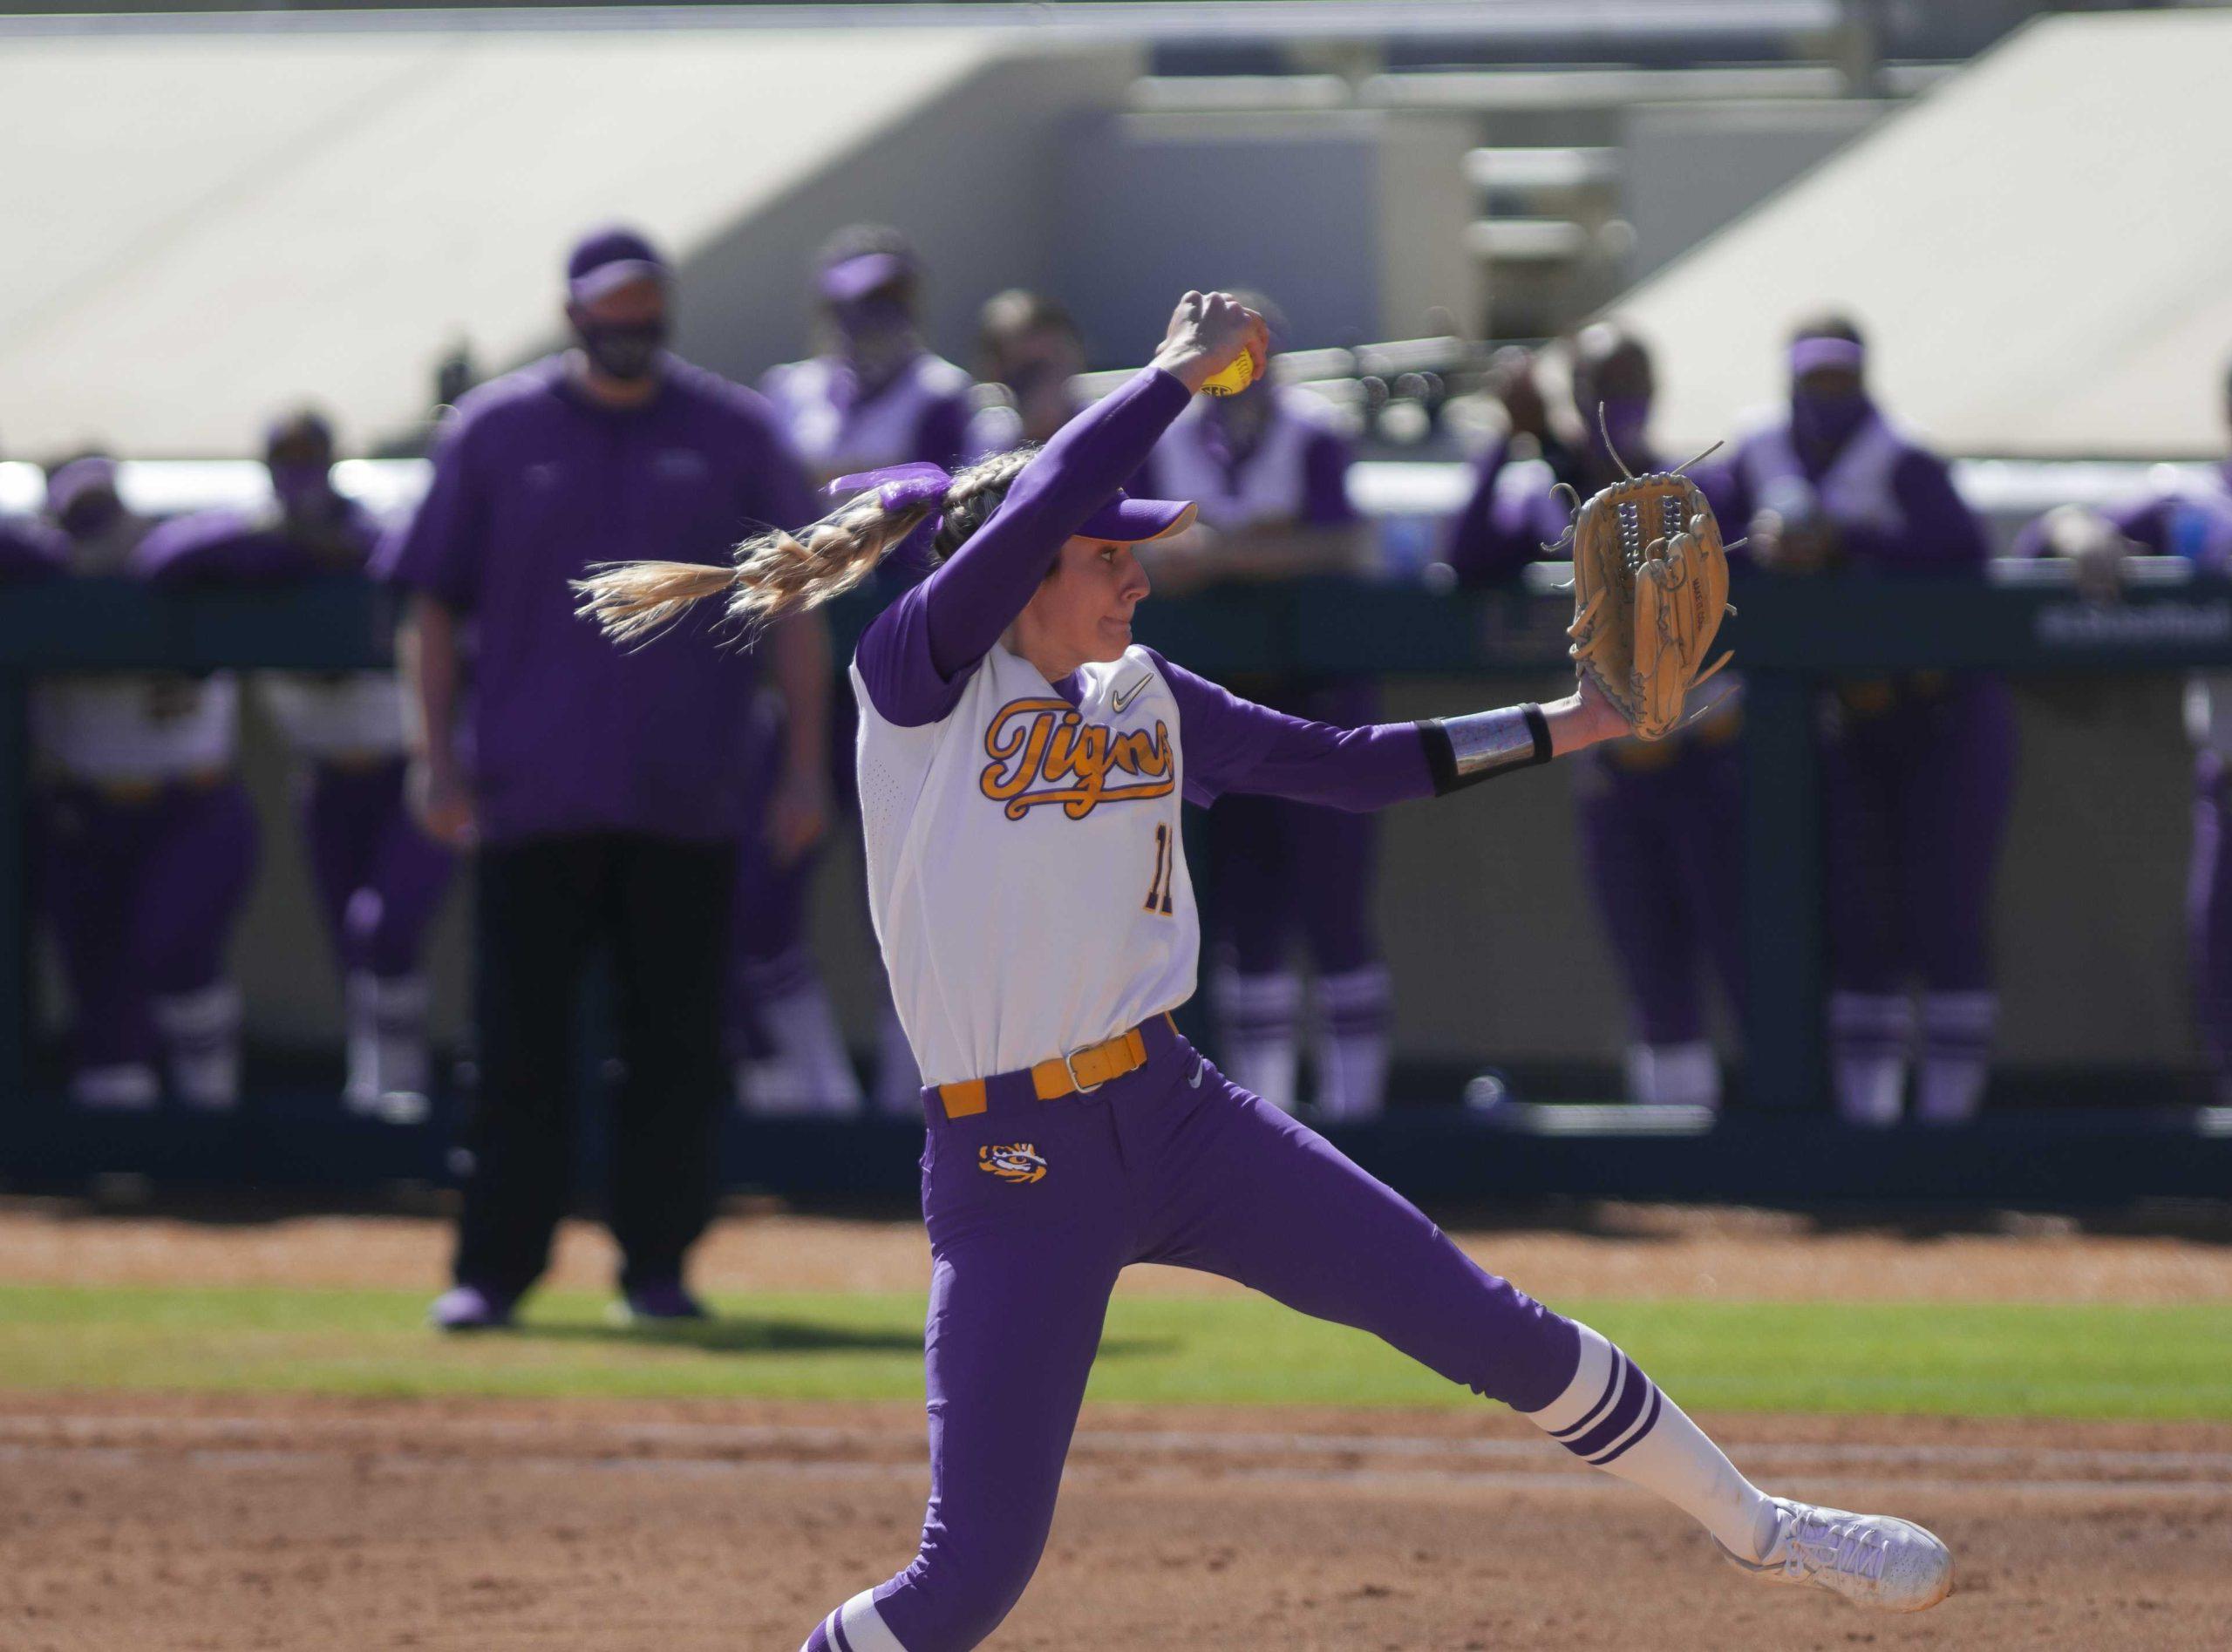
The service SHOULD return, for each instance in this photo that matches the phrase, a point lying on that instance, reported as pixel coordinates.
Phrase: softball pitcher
(1022, 765)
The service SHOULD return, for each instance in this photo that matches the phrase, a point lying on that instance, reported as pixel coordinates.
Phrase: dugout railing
(1792, 636)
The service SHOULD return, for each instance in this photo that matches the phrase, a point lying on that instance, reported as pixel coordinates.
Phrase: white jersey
(1272, 485)
(1858, 489)
(880, 431)
(1024, 871)
(341, 714)
(136, 727)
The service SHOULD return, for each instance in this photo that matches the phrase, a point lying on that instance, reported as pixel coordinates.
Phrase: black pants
(546, 907)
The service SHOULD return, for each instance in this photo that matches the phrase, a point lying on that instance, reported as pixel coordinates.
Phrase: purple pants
(380, 879)
(1663, 848)
(772, 959)
(1916, 795)
(143, 894)
(1277, 866)
(2209, 908)
(1034, 1207)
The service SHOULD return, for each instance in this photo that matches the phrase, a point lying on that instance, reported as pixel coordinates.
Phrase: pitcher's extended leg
(1260, 1198)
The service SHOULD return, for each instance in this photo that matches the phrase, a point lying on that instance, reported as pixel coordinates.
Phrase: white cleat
(1871, 1560)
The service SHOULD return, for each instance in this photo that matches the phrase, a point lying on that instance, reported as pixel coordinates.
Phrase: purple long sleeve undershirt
(916, 655)
(1233, 744)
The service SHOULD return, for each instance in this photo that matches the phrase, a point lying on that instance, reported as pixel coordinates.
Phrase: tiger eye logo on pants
(1017, 1162)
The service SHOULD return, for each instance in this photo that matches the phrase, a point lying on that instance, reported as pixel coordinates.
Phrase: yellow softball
(1234, 379)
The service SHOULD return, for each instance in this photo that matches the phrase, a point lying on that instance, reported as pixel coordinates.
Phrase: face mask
(1825, 421)
(626, 350)
(91, 515)
(874, 316)
(304, 491)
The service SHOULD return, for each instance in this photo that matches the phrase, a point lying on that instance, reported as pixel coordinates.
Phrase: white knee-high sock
(1869, 1036)
(1674, 1075)
(854, 1627)
(1957, 1030)
(809, 1071)
(202, 1030)
(1351, 1045)
(1614, 1418)
(1258, 1047)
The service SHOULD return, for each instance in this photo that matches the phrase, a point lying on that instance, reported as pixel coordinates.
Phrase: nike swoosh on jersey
(1123, 697)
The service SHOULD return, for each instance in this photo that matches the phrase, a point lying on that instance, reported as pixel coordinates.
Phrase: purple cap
(610, 258)
(849, 280)
(71, 482)
(1126, 521)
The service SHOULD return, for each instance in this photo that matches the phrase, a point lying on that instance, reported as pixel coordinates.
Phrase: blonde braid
(779, 573)
(975, 493)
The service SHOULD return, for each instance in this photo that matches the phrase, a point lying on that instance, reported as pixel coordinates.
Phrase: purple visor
(851, 279)
(1126, 521)
(1122, 520)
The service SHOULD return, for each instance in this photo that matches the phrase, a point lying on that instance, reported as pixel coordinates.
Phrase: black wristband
(1485, 753)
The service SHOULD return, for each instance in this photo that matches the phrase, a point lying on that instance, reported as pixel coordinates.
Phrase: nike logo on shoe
(1200, 1066)
(1123, 697)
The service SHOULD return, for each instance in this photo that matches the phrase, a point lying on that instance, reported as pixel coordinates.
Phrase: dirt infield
(1628, 1251)
(150, 1521)
(144, 1523)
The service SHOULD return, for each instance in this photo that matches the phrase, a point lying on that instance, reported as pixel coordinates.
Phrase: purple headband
(1813, 355)
(899, 487)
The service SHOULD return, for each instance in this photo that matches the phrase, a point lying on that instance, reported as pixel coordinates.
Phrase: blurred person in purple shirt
(1030, 352)
(379, 878)
(29, 550)
(578, 774)
(2190, 520)
(1919, 769)
(148, 842)
(1268, 468)
(1661, 821)
(874, 396)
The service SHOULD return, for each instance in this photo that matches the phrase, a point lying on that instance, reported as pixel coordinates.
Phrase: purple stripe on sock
(1611, 1383)
(1622, 1415)
(1648, 1423)
(837, 1631)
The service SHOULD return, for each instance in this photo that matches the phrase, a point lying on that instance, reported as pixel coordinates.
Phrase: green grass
(1974, 1360)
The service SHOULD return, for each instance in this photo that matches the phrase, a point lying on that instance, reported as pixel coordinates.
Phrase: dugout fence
(1792, 638)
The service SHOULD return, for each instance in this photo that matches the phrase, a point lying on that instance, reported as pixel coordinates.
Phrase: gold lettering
(1034, 743)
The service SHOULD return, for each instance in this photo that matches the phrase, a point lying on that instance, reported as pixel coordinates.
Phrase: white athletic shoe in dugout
(1871, 1560)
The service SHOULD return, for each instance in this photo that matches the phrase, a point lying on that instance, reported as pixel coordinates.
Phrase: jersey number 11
(1158, 886)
